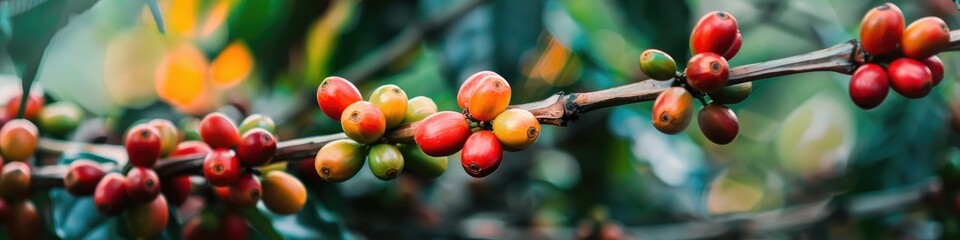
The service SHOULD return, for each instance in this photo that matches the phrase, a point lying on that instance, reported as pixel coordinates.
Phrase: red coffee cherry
(910, 78)
(256, 148)
(110, 197)
(218, 131)
(469, 86)
(15, 180)
(148, 219)
(177, 188)
(18, 140)
(34, 105)
(707, 72)
(481, 154)
(335, 94)
(221, 167)
(936, 68)
(142, 185)
(737, 43)
(925, 37)
(25, 221)
(363, 122)
(869, 86)
(247, 191)
(673, 110)
(491, 98)
(881, 29)
(143, 145)
(442, 134)
(718, 123)
(168, 135)
(82, 177)
(715, 32)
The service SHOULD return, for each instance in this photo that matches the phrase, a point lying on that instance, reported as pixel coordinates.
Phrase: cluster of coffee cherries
(898, 58)
(484, 129)
(365, 123)
(714, 40)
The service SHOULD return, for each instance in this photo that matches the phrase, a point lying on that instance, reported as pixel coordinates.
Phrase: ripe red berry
(673, 110)
(718, 123)
(881, 29)
(142, 185)
(442, 134)
(469, 86)
(221, 167)
(936, 68)
(15, 180)
(246, 191)
(481, 154)
(18, 140)
(707, 72)
(82, 177)
(110, 197)
(148, 219)
(363, 122)
(910, 78)
(925, 37)
(256, 148)
(491, 98)
(869, 86)
(34, 105)
(143, 145)
(335, 94)
(177, 188)
(715, 32)
(218, 131)
(735, 48)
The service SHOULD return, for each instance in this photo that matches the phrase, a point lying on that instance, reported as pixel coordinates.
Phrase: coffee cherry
(657, 65)
(218, 131)
(143, 145)
(142, 185)
(469, 86)
(60, 118)
(256, 148)
(715, 33)
(733, 94)
(516, 129)
(232, 225)
(34, 105)
(221, 167)
(481, 154)
(925, 37)
(191, 148)
(257, 121)
(223, 193)
(936, 68)
(168, 135)
(735, 48)
(14, 180)
(392, 101)
(869, 86)
(177, 188)
(718, 123)
(881, 29)
(419, 108)
(18, 140)
(148, 219)
(673, 110)
(363, 122)
(418, 162)
(110, 197)
(82, 177)
(491, 98)
(339, 160)
(442, 134)
(246, 192)
(305, 169)
(282, 193)
(25, 222)
(189, 129)
(707, 72)
(386, 162)
(335, 94)
(910, 78)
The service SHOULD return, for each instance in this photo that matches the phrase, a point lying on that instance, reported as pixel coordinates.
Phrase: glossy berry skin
(735, 48)
(516, 129)
(15, 180)
(657, 65)
(392, 102)
(707, 72)
(442, 134)
(673, 110)
(718, 123)
(469, 86)
(168, 135)
(282, 193)
(142, 185)
(869, 86)
(715, 32)
(148, 219)
(177, 189)
(25, 222)
(925, 37)
(335, 94)
(218, 131)
(221, 167)
(256, 148)
(386, 161)
(18, 140)
(110, 197)
(481, 154)
(733, 94)
(910, 78)
(491, 98)
(247, 191)
(881, 29)
(34, 106)
(363, 122)
(339, 160)
(82, 177)
(143, 145)
(419, 108)
(256, 121)
(936, 68)
(418, 162)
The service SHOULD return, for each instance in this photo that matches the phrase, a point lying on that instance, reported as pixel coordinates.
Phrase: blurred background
(807, 164)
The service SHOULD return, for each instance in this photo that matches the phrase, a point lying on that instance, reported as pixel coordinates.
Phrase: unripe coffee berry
(442, 134)
(256, 121)
(110, 197)
(18, 140)
(392, 101)
(491, 98)
(339, 160)
(718, 123)
(34, 106)
(246, 191)
(82, 177)
(707, 72)
(936, 68)
(168, 135)
(881, 29)
(218, 131)
(335, 94)
(910, 78)
(715, 32)
(15, 180)
(516, 129)
(481, 154)
(142, 185)
(925, 37)
(419, 108)
(672, 110)
(60, 118)
(282, 193)
(418, 162)
(735, 48)
(148, 219)
(256, 148)
(385, 161)
(657, 65)
(469, 86)
(221, 167)
(143, 145)
(363, 122)
(869, 86)
(733, 94)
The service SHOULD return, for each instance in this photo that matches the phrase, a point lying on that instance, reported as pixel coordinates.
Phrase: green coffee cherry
(385, 160)
(60, 118)
(257, 121)
(658, 65)
(733, 94)
(190, 128)
(422, 164)
(419, 108)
